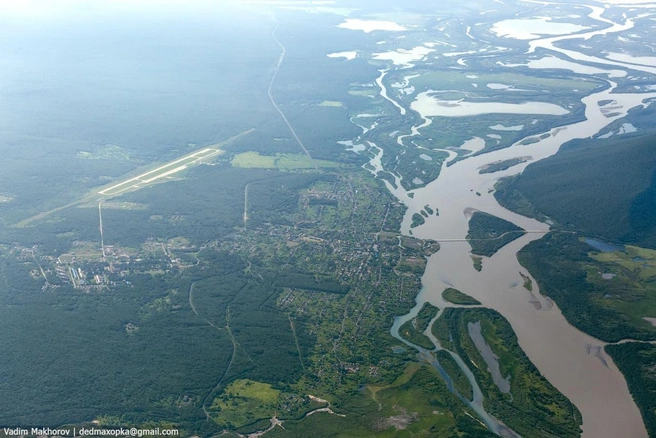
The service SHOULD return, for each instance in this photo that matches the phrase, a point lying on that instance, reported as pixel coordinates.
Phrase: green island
(503, 165)
(425, 315)
(413, 330)
(488, 233)
(477, 262)
(411, 333)
(440, 329)
(457, 297)
(417, 220)
(458, 377)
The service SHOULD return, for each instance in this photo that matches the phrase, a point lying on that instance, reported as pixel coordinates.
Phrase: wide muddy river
(574, 362)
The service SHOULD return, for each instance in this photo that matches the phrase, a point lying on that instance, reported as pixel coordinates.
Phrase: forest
(604, 188)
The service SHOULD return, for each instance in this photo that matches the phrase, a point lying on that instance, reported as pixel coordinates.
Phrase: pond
(603, 246)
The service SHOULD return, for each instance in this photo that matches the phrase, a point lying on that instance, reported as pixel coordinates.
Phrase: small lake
(348, 55)
(397, 349)
(603, 246)
(371, 25)
(491, 359)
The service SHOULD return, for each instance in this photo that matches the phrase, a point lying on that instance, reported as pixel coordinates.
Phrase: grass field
(278, 161)
(243, 402)
(368, 92)
(641, 261)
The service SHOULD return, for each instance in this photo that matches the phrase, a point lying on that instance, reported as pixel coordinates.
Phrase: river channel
(571, 360)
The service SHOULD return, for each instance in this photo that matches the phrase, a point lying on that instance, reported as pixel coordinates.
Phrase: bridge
(494, 238)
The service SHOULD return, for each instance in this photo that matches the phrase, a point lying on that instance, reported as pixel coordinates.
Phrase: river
(562, 353)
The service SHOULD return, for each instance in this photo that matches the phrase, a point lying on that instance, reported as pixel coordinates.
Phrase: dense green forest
(169, 354)
(602, 187)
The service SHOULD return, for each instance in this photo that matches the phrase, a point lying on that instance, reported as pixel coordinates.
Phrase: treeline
(307, 281)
